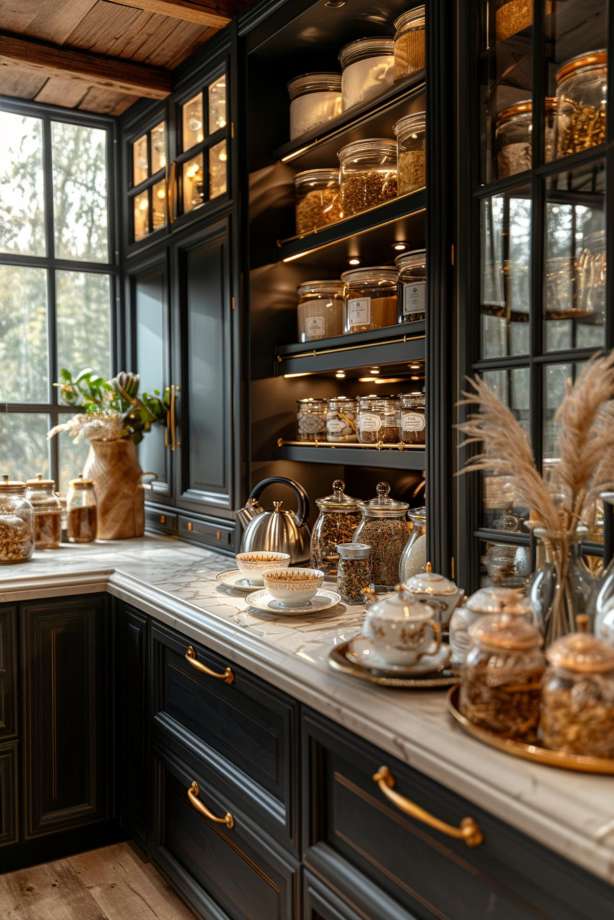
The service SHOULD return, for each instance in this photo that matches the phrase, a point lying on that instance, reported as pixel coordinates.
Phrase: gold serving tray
(338, 662)
(532, 752)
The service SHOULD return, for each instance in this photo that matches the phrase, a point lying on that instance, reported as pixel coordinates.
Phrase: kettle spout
(250, 510)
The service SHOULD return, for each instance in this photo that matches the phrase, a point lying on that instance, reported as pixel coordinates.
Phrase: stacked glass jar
(47, 512)
(16, 522)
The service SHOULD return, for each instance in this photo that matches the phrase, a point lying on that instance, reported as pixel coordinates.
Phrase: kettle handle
(302, 512)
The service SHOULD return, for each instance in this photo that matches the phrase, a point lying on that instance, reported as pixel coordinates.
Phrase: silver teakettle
(278, 530)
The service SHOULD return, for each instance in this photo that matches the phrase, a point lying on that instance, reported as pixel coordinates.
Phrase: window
(57, 280)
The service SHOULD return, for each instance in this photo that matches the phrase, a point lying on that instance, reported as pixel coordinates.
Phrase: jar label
(310, 424)
(359, 311)
(413, 421)
(315, 327)
(335, 425)
(414, 298)
(369, 422)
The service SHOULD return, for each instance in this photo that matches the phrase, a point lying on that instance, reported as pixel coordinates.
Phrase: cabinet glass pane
(193, 183)
(72, 459)
(79, 156)
(24, 348)
(505, 294)
(217, 104)
(218, 169)
(504, 564)
(158, 147)
(22, 207)
(159, 205)
(140, 206)
(24, 447)
(83, 309)
(151, 346)
(575, 259)
(192, 121)
(140, 160)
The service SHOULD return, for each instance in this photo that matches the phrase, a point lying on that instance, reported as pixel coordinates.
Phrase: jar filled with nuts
(353, 571)
(370, 298)
(384, 528)
(341, 420)
(368, 174)
(577, 714)
(501, 676)
(411, 139)
(581, 92)
(338, 519)
(409, 43)
(311, 419)
(16, 522)
(318, 200)
(379, 420)
(47, 513)
(320, 310)
(82, 511)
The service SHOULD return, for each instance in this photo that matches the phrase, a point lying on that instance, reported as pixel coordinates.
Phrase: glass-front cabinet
(534, 239)
(148, 192)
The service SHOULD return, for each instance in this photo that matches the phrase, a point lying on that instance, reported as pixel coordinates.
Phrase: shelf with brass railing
(396, 456)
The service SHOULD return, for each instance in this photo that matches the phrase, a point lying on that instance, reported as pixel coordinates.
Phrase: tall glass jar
(353, 571)
(485, 602)
(409, 43)
(318, 200)
(411, 152)
(315, 98)
(47, 513)
(413, 557)
(384, 528)
(16, 523)
(367, 69)
(311, 419)
(320, 310)
(379, 420)
(413, 418)
(582, 92)
(338, 519)
(370, 298)
(341, 420)
(368, 174)
(412, 285)
(82, 512)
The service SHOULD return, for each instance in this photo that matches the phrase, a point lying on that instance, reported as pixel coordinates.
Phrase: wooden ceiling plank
(56, 19)
(24, 84)
(212, 13)
(16, 15)
(185, 39)
(105, 102)
(62, 91)
(113, 73)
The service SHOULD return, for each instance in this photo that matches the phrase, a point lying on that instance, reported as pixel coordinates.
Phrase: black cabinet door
(8, 673)
(8, 795)
(65, 671)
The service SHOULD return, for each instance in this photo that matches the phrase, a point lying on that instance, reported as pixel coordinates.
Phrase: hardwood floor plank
(48, 892)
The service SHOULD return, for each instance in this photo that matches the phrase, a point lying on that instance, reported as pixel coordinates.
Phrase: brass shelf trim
(341, 349)
(379, 445)
(190, 656)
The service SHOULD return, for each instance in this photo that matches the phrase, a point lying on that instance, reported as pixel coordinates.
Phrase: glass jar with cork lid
(16, 523)
(82, 511)
(47, 512)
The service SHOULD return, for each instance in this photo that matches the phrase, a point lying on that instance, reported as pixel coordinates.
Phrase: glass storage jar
(81, 511)
(368, 174)
(412, 285)
(514, 16)
(384, 528)
(315, 98)
(353, 571)
(379, 420)
(47, 513)
(409, 43)
(367, 69)
(501, 676)
(311, 419)
(318, 200)
(411, 152)
(16, 522)
(513, 136)
(338, 518)
(370, 298)
(341, 420)
(413, 418)
(413, 557)
(577, 714)
(581, 93)
(482, 603)
(320, 310)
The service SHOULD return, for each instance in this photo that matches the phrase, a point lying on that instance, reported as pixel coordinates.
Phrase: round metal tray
(439, 680)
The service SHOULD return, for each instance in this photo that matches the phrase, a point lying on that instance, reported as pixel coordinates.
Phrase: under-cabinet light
(379, 380)
(366, 379)
(301, 374)
(414, 367)
(374, 370)
(340, 375)
(354, 261)
(399, 247)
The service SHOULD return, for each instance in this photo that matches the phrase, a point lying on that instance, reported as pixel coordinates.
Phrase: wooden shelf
(388, 456)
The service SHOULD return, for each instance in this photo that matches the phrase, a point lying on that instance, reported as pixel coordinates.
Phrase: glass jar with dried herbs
(411, 140)
(318, 199)
(353, 571)
(581, 92)
(341, 420)
(409, 43)
(311, 419)
(82, 511)
(384, 528)
(338, 519)
(368, 174)
(47, 513)
(379, 420)
(370, 297)
(16, 523)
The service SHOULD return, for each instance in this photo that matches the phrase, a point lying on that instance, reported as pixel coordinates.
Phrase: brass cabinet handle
(193, 793)
(189, 526)
(190, 656)
(173, 420)
(163, 519)
(468, 829)
(171, 192)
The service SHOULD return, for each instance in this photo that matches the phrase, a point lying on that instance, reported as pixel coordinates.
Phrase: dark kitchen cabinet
(9, 802)
(8, 673)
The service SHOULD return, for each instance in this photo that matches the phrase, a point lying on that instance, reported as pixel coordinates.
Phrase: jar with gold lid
(82, 511)
(16, 522)
(47, 512)
(483, 603)
(501, 676)
(370, 298)
(409, 42)
(581, 92)
(513, 136)
(577, 714)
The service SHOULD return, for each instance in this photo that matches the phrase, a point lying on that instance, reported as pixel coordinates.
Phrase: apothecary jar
(47, 513)
(16, 522)
(368, 174)
(338, 519)
(581, 92)
(384, 528)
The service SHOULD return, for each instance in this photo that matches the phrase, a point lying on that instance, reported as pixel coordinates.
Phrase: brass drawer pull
(467, 831)
(193, 793)
(190, 656)
(163, 519)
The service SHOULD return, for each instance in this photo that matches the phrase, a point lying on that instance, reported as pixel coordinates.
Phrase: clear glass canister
(411, 152)
(368, 69)
(379, 419)
(47, 513)
(338, 519)
(413, 557)
(409, 43)
(341, 420)
(370, 298)
(81, 511)
(311, 419)
(485, 602)
(581, 92)
(501, 676)
(577, 714)
(413, 418)
(368, 174)
(514, 16)
(318, 200)
(412, 285)
(315, 98)
(353, 571)
(320, 309)
(513, 136)
(16, 522)
(384, 528)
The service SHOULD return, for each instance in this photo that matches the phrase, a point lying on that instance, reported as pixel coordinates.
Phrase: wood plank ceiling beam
(212, 13)
(101, 70)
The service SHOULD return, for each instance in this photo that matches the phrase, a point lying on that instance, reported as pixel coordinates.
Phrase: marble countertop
(570, 813)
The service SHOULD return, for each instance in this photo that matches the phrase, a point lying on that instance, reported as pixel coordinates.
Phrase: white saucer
(360, 652)
(322, 600)
(238, 581)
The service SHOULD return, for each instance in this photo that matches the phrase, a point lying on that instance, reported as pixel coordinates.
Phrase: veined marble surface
(174, 582)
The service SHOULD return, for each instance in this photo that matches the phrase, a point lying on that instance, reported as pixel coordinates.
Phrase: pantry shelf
(388, 456)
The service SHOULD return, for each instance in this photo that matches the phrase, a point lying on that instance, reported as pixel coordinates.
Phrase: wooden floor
(112, 883)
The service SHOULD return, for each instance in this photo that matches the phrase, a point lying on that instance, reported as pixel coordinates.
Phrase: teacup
(293, 586)
(401, 630)
(253, 564)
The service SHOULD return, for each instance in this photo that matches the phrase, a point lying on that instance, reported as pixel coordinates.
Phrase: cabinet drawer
(160, 521)
(224, 872)
(8, 795)
(352, 830)
(8, 673)
(246, 731)
(207, 533)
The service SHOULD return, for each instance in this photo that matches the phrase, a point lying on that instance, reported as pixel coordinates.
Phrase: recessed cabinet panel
(9, 823)
(8, 673)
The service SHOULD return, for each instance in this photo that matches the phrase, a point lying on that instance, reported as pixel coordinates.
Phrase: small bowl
(293, 586)
(253, 564)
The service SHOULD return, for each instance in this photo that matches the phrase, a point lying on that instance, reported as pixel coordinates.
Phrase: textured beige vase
(114, 467)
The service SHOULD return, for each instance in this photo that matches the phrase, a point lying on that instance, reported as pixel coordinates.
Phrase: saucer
(339, 659)
(361, 653)
(238, 581)
(322, 600)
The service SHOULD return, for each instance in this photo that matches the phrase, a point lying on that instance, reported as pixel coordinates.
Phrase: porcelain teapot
(279, 530)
